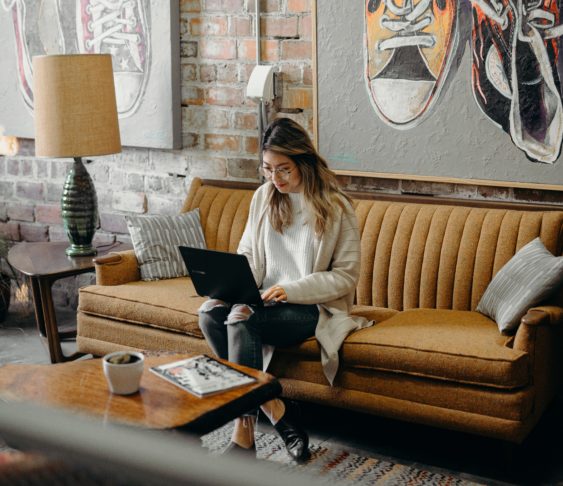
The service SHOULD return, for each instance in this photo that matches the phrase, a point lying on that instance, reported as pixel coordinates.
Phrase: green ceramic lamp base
(81, 250)
(79, 210)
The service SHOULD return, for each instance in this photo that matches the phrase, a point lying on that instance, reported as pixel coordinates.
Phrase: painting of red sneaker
(515, 78)
(409, 51)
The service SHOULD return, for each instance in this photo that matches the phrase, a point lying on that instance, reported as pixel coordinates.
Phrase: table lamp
(76, 116)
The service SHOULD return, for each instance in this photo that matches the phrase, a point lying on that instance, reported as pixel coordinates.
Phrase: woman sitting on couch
(303, 246)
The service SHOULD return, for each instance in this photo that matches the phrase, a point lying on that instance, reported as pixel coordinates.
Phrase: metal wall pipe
(261, 107)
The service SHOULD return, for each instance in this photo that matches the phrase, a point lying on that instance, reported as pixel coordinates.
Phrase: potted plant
(7, 274)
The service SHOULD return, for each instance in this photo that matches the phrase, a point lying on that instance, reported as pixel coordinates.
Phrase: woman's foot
(233, 449)
(293, 435)
(242, 440)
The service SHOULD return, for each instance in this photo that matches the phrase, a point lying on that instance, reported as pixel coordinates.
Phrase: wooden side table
(43, 263)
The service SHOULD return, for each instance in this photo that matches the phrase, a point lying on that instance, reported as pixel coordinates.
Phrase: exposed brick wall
(219, 125)
(453, 190)
(219, 130)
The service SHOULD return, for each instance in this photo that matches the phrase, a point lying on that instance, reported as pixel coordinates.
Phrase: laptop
(221, 275)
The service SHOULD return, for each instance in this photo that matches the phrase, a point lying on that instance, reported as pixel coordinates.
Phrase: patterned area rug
(337, 465)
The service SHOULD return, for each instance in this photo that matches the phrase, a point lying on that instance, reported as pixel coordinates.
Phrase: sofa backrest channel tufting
(413, 255)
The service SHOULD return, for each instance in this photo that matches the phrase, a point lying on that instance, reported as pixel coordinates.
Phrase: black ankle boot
(294, 436)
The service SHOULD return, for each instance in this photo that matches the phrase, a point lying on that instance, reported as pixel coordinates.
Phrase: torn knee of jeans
(211, 304)
(239, 313)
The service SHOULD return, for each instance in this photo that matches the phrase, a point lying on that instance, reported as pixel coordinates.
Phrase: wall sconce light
(260, 88)
(261, 84)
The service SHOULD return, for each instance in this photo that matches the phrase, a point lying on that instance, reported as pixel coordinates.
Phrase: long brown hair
(320, 187)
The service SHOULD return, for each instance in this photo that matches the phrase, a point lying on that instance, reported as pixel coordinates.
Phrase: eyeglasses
(271, 173)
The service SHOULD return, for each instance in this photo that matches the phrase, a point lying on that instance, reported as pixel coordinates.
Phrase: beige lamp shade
(74, 106)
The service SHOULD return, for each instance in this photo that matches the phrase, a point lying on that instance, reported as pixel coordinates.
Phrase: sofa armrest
(117, 268)
(548, 314)
(536, 319)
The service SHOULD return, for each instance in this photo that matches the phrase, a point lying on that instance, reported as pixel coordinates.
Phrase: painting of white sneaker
(408, 52)
(119, 28)
(138, 34)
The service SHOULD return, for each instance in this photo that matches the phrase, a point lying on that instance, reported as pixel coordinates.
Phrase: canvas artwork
(466, 89)
(141, 36)
(409, 52)
(515, 74)
(514, 65)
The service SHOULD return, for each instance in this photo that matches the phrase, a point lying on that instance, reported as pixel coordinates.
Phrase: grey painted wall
(456, 140)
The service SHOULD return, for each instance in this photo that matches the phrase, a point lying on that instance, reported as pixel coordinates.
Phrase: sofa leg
(508, 454)
(511, 456)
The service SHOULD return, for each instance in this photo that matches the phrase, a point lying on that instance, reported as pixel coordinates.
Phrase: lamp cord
(111, 245)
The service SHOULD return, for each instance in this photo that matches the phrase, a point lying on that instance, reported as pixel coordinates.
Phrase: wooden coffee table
(80, 386)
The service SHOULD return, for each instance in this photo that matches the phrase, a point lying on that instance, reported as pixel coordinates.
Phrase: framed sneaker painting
(462, 91)
(142, 37)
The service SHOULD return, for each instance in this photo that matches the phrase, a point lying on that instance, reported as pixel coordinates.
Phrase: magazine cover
(202, 375)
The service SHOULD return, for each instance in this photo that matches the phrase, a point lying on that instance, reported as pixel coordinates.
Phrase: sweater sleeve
(246, 244)
(341, 278)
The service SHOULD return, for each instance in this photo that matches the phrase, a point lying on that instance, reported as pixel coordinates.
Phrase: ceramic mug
(123, 378)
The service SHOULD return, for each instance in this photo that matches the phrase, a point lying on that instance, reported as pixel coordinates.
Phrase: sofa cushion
(310, 347)
(460, 346)
(530, 277)
(168, 304)
(372, 313)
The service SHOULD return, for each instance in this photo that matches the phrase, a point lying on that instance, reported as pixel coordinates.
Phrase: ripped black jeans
(237, 332)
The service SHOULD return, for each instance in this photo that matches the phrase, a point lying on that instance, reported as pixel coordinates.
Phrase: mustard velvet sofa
(429, 359)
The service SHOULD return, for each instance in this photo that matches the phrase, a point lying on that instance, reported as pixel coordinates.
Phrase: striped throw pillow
(528, 278)
(156, 239)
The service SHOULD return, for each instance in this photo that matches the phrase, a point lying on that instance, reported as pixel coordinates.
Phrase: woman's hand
(275, 293)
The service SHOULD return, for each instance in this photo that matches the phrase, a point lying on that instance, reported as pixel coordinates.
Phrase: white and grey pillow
(156, 239)
(528, 278)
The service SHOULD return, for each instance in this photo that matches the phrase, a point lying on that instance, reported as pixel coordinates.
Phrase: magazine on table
(202, 375)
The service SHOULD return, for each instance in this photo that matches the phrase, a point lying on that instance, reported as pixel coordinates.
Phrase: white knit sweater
(332, 283)
(290, 255)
